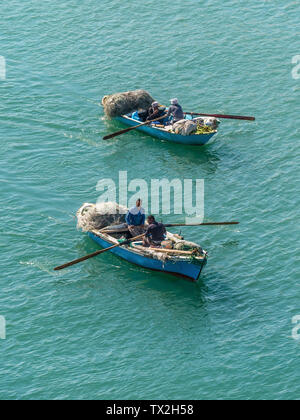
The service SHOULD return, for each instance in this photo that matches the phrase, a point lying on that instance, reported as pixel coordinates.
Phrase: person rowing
(155, 234)
(175, 111)
(155, 111)
(135, 219)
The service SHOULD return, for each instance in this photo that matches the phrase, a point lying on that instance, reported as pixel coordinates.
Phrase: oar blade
(95, 254)
(110, 136)
(119, 133)
(79, 260)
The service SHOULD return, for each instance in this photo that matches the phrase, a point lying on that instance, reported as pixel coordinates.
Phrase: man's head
(151, 219)
(174, 101)
(139, 203)
(155, 105)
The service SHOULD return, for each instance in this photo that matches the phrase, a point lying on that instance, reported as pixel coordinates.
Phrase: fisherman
(155, 111)
(135, 219)
(155, 233)
(175, 111)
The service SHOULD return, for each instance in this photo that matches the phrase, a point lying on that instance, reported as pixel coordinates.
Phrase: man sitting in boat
(135, 219)
(155, 233)
(155, 111)
(175, 111)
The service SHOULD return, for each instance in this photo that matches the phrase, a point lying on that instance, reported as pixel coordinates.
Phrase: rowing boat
(164, 134)
(184, 264)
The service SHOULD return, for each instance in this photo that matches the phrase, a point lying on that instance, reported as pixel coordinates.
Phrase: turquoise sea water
(106, 329)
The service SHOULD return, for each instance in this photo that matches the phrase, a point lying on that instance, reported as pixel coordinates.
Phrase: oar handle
(231, 117)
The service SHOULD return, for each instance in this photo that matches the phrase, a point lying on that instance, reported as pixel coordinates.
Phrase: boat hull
(195, 140)
(188, 270)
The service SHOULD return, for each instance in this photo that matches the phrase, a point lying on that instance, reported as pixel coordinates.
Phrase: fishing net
(187, 246)
(208, 122)
(123, 103)
(185, 127)
(196, 126)
(97, 216)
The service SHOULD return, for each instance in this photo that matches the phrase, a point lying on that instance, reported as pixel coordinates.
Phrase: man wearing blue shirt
(135, 219)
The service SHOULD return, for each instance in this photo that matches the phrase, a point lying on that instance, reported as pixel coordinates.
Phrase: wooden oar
(126, 130)
(94, 254)
(203, 224)
(231, 117)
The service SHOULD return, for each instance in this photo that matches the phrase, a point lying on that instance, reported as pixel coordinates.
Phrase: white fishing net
(123, 103)
(97, 216)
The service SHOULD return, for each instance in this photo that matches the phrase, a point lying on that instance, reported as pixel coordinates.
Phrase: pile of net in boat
(185, 127)
(182, 244)
(123, 103)
(207, 122)
(196, 126)
(97, 216)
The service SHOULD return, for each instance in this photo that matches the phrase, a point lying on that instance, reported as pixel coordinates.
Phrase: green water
(107, 329)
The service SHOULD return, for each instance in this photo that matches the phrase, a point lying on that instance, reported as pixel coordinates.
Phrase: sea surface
(106, 329)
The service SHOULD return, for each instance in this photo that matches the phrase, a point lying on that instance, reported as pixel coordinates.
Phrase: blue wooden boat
(163, 134)
(182, 265)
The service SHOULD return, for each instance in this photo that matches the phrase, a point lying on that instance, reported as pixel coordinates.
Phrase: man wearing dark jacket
(155, 112)
(155, 234)
(175, 111)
